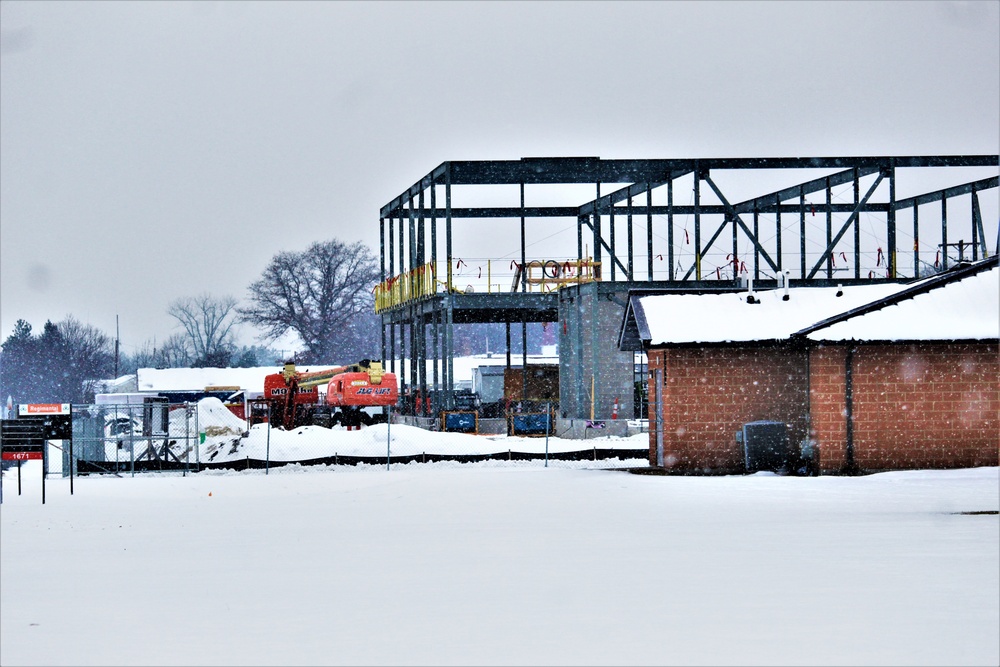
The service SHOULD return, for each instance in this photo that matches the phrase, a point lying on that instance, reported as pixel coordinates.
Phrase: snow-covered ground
(450, 564)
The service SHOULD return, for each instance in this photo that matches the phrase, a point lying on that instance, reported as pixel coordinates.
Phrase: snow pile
(215, 419)
(316, 442)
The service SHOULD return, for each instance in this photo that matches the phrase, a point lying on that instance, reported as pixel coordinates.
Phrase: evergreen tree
(16, 364)
(53, 366)
(59, 365)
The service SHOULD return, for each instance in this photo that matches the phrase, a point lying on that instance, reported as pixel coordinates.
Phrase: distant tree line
(64, 363)
(323, 294)
(56, 365)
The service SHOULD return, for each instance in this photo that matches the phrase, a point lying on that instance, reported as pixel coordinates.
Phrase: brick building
(879, 377)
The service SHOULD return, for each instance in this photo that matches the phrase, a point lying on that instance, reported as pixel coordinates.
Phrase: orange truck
(293, 397)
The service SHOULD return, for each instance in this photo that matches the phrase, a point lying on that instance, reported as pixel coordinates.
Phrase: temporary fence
(130, 438)
(126, 440)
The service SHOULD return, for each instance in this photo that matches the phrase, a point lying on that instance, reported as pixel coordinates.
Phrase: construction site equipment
(293, 397)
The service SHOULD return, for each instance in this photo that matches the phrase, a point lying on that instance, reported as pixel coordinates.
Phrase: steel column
(524, 257)
(670, 231)
(944, 231)
(381, 279)
(829, 231)
(631, 268)
(777, 238)
(435, 313)
(449, 329)
(697, 224)
(890, 223)
(802, 232)
(857, 227)
(756, 246)
(614, 254)
(649, 232)
(597, 229)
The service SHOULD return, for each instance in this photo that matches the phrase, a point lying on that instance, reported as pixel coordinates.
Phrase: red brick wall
(709, 393)
(655, 360)
(915, 406)
(827, 383)
(926, 405)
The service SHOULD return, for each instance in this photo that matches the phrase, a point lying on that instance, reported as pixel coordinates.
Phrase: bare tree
(90, 356)
(319, 294)
(208, 323)
(144, 356)
(174, 352)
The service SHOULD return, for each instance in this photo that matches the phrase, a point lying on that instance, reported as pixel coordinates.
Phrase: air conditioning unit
(765, 446)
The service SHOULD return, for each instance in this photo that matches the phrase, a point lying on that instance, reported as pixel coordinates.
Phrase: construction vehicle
(292, 398)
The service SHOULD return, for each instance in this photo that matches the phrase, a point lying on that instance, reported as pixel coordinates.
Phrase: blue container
(462, 422)
(529, 424)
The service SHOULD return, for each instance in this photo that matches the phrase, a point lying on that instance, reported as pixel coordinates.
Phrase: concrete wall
(589, 319)
(576, 429)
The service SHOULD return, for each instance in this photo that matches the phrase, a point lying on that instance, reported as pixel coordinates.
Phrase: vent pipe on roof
(785, 277)
(751, 297)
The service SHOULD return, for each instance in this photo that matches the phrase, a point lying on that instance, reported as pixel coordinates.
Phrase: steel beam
(559, 170)
(836, 239)
(739, 221)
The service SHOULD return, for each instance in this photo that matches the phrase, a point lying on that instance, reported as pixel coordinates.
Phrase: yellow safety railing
(420, 282)
(551, 274)
(540, 275)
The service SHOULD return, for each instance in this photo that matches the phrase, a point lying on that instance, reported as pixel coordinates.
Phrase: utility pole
(117, 345)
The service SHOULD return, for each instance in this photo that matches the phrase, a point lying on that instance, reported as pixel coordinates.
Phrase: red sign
(21, 456)
(44, 409)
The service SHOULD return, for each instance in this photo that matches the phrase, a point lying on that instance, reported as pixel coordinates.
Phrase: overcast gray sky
(153, 150)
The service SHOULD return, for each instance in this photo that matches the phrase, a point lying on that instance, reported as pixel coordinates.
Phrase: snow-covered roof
(966, 307)
(923, 310)
(728, 318)
(123, 383)
(191, 379)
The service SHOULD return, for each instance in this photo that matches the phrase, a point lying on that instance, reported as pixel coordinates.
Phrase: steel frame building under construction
(742, 221)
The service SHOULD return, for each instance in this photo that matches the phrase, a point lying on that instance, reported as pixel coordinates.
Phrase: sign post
(548, 416)
(25, 438)
(71, 466)
(388, 435)
(267, 455)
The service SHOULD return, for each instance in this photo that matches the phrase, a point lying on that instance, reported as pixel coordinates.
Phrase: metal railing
(535, 275)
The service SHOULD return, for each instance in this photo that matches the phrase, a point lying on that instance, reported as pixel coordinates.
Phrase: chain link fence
(158, 437)
(130, 438)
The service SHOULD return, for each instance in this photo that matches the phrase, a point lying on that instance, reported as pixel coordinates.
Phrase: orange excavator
(293, 397)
